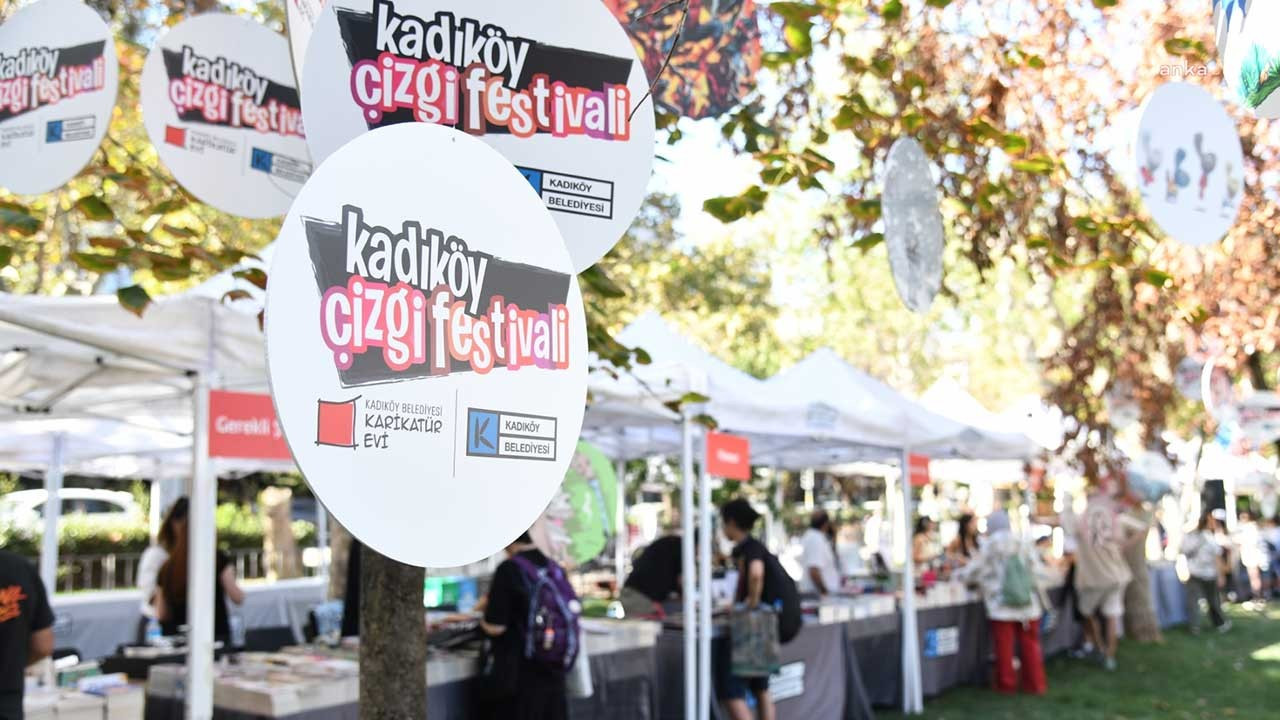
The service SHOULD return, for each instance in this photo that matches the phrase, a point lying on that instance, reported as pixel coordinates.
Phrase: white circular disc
(1228, 21)
(301, 17)
(58, 81)
(408, 421)
(221, 106)
(1252, 60)
(550, 85)
(1186, 377)
(1190, 168)
(912, 224)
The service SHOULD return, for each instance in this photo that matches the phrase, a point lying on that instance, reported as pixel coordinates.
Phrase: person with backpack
(531, 615)
(1008, 570)
(761, 581)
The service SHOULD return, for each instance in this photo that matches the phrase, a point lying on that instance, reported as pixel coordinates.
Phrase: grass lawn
(1236, 675)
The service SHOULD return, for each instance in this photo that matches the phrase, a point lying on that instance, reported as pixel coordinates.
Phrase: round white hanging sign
(912, 225)
(58, 80)
(1189, 164)
(554, 89)
(427, 355)
(1251, 60)
(221, 106)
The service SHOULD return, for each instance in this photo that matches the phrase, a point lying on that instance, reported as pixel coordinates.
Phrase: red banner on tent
(918, 469)
(244, 425)
(728, 456)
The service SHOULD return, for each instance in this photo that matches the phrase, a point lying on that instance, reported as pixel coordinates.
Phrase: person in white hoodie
(1009, 572)
(1203, 554)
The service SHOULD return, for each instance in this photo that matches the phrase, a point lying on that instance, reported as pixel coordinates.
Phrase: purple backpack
(551, 629)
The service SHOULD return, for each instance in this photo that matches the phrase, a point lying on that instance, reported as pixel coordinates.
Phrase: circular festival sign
(221, 106)
(714, 57)
(554, 89)
(427, 355)
(1189, 164)
(912, 225)
(58, 80)
(1251, 60)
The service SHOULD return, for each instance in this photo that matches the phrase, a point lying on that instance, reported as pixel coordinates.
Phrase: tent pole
(620, 534)
(706, 535)
(912, 700)
(52, 512)
(155, 513)
(687, 572)
(200, 560)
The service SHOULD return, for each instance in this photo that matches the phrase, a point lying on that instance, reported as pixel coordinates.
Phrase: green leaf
(892, 11)
(6, 255)
(255, 276)
(1036, 164)
(108, 243)
(1158, 278)
(180, 232)
(798, 35)
(94, 262)
(164, 207)
(171, 272)
(868, 241)
(134, 299)
(706, 421)
(1014, 143)
(794, 11)
(735, 207)
(642, 356)
(18, 222)
(1105, 3)
(937, 3)
(693, 398)
(912, 122)
(598, 281)
(95, 208)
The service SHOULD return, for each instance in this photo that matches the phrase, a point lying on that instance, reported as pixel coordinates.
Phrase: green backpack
(1017, 585)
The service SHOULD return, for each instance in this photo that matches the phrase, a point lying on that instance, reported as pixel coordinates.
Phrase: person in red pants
(1009, 572)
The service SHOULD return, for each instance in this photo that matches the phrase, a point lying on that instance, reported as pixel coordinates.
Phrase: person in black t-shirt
(655, 577)
(171, 589)
(26, 629)
(535, 692)
(761, 581)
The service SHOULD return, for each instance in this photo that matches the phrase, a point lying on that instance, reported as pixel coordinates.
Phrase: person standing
(530, 662)
(1009, 571)
(171, 585)
(965, 544)
(818, 557)
(26, 629)
(761, 581)
(655, 577)
(154, 558)
(1202, 552)
(1101, 571)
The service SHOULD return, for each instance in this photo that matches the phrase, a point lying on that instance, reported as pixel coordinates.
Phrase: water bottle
(153, 634)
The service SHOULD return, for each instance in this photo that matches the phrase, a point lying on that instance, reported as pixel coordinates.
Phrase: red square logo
(336, 423)
(175, 136)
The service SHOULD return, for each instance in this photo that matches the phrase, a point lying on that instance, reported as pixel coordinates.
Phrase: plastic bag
(753, 638)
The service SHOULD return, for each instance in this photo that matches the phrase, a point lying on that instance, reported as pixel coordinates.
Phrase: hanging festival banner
(427, 355)
(912, 225)
(578, 523)
(1186, 377)
(58, 81)
(714, 57)
(555, 90)
(221, 106)
(1190, 168)
(1251, 59)
(1228, 23)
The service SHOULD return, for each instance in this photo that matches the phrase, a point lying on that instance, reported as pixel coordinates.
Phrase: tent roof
(998, 437)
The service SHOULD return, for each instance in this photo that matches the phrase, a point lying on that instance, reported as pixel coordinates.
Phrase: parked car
(26, 507)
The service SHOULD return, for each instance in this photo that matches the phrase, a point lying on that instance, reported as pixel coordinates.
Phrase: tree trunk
(1140, 621)
(278, 543)
(339, 550)
(393, 640)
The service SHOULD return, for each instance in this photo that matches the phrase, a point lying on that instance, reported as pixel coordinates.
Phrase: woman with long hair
(965, 544)
(154, 558)
(171, 585)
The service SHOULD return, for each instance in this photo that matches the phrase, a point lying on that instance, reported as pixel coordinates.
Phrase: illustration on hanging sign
(556, 92)
(714, 59)
(912, 225)
(1251, 60)
(1228, 22)
(58, 81)
(427, 354)
(1190, 166)
(221, 106)
(578, 523)
(1186, 377)
(300, 18)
